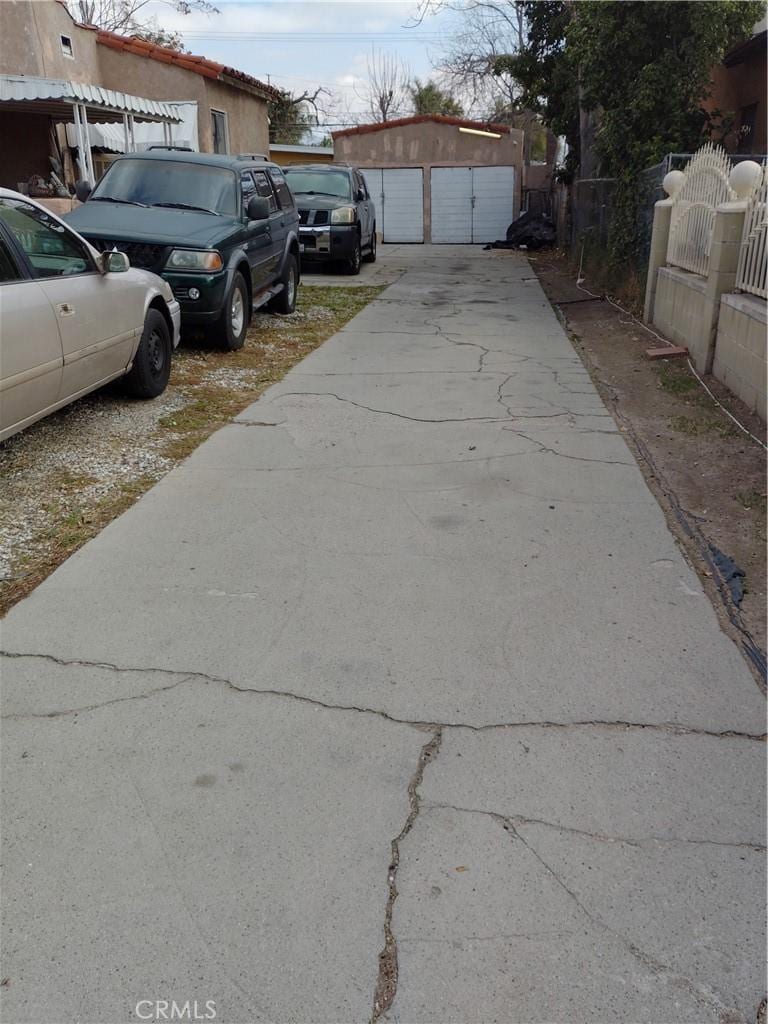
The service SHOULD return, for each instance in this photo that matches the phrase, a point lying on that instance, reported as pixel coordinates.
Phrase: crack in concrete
(520, 821)
(563, 455)
(257, 423)
(386, 983)
(671, 728)
(701, 994)
(389, 412)
(64, 712)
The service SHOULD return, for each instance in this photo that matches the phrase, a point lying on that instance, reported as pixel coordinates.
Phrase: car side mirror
(114, 262)
(258, 208)
(82, 190)
(360, 196)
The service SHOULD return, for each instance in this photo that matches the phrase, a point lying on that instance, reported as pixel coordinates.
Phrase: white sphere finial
(673, 182)
(744, 178)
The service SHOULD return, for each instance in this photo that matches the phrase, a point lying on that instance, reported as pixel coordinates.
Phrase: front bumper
(207, 306)
(328, 242)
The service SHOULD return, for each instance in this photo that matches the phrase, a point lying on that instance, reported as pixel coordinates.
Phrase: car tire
(370, 256)
(354, 261)
(232, 326)
(148, 377)
(285, 301)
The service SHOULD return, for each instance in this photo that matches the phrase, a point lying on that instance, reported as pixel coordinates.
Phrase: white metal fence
(693, 214)
(752, 272)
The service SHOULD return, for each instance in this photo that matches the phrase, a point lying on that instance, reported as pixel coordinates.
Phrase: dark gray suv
(336, 214)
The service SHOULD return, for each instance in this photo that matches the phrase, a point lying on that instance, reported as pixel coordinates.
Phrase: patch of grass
(753, 499)
(68, 481)
(676, 379)
(698, 427)
(216, 386)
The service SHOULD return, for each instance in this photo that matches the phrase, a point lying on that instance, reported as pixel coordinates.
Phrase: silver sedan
(72, 319)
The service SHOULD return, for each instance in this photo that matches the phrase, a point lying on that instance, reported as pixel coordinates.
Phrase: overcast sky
(300, 44)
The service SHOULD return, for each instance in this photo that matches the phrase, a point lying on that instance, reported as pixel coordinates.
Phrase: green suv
(221, 230)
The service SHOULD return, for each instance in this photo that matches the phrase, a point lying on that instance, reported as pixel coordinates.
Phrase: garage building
(437, 179)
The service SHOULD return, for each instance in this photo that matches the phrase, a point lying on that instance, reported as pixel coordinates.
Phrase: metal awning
(79, 102)
(56, 96)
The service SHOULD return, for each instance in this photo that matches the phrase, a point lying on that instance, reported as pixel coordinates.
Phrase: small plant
(697, 427)
(753, 499)
(676, 379)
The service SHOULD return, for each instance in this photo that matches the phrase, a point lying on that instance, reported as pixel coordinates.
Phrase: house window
(220, 131)
(66, 47)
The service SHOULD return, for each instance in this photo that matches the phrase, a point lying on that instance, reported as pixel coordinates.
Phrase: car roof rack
(178, 149)
(252, 156)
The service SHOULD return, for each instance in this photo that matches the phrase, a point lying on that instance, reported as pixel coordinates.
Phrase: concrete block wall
(680, 309)
(741, 349)
(724, 332)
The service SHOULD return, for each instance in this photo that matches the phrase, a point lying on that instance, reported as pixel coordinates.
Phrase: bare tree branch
(489, 29)
(124, 15)
(386, 91)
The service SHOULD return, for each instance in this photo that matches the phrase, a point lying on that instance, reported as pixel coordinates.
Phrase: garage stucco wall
(428, 144)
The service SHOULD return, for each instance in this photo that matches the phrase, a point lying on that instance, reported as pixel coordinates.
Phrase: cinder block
(756, 339)
(724, 257)
(728, 226)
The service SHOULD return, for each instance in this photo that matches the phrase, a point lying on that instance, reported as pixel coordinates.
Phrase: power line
(275, 37)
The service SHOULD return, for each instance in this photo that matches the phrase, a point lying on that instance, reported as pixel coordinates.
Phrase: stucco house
(738, 89)
(54, 70)
(436, 178)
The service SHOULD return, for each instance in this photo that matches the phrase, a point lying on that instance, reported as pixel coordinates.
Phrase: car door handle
(64, 309)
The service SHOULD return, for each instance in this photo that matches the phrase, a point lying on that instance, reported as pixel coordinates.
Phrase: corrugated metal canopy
(55, 95)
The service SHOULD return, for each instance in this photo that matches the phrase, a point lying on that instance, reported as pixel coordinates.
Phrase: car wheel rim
(155, 353)
(290, 285)
(356, 258)
(237, 312)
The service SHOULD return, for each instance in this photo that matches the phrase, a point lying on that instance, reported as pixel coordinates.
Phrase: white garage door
(398, 193)
(451, 204)
(472, 204)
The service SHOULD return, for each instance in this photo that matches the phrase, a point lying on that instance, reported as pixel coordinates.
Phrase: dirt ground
(710, 477)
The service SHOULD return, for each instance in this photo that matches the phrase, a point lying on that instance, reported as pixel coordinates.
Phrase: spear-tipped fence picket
(693, 214)
(752, 272)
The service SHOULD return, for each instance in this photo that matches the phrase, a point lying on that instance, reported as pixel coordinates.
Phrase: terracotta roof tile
(365, 129)
(189, 61)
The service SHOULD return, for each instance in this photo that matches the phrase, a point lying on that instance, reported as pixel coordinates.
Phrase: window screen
(219, 130)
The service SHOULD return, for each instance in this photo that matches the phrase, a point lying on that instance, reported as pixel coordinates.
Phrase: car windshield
(322, 183)
(181, 184)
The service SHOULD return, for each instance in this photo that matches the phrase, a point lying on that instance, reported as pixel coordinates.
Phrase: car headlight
(194, 259)
(344, 215)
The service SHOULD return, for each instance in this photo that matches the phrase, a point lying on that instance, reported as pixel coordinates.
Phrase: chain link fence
(591, 203)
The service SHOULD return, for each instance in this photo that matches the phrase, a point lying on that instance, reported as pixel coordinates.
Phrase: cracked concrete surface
(221, 716)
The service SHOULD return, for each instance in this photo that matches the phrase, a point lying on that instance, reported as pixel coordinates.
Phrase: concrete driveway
(391, 264)
(397, 700)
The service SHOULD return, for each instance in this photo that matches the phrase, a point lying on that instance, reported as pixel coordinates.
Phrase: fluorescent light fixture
(476, 131)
